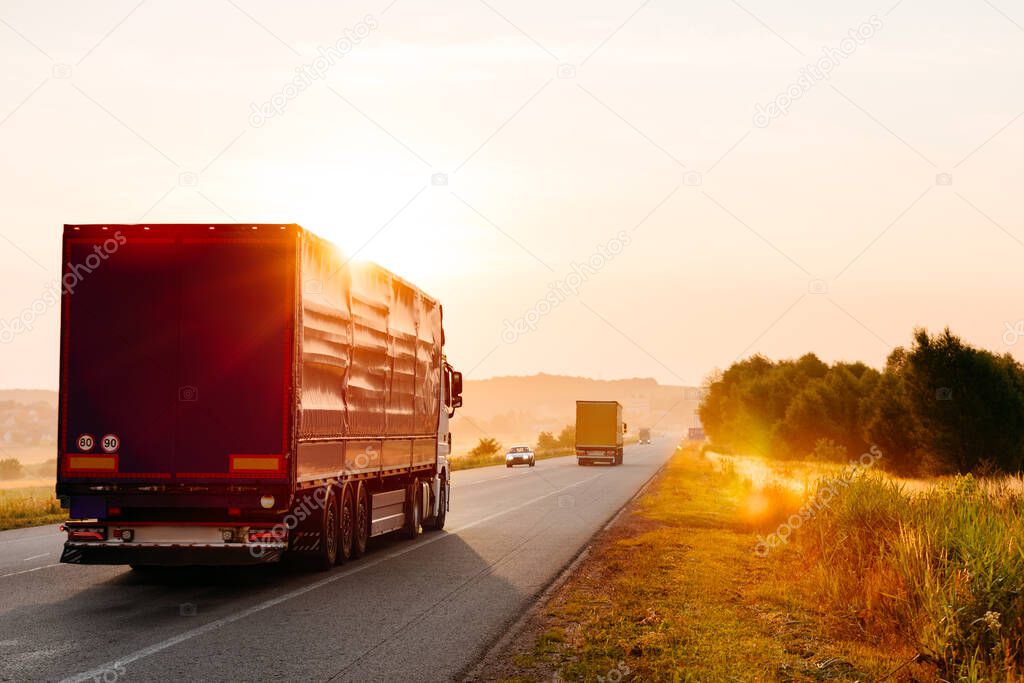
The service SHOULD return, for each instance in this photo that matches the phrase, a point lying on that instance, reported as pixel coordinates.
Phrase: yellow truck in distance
(599, 430)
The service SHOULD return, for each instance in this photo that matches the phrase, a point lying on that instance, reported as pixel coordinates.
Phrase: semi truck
(599, 430)
(235, 394)
(644, 435)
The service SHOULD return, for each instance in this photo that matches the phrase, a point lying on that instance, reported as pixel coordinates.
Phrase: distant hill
(29, 396)
(519, 408)
(508, 408)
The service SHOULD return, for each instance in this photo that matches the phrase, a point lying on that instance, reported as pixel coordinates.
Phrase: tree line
(939, 406)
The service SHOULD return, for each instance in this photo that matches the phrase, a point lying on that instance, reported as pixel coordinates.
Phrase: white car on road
(520, 455)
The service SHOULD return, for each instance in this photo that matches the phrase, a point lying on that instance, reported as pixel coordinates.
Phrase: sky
(607, 189)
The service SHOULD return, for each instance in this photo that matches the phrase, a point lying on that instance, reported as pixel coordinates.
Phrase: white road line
(224, 621)
(29, 571)
(35, 557)
(31, 538)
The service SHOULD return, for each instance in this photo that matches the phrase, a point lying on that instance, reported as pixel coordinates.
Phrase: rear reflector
(276, 535)
(257, 463)
(87, 534)
(92, 463)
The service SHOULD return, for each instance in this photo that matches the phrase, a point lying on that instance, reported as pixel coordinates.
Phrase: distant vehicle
(599, 430)
(645, 435)
(520, 455)
(232, 393)
(695, 434)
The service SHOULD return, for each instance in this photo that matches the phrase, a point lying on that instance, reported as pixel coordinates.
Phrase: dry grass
(675, 592)
(29, 507)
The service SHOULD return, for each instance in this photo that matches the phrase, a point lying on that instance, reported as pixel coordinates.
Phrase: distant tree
(567, 437)
(968, 402)
(828, 408)
(889, 422)
(546, 441)
(485, 448)
(10, 468)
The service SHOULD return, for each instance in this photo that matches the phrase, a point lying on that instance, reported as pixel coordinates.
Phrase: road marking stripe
(35, 557)
(27, 571)
(31, 538)
(224, 621)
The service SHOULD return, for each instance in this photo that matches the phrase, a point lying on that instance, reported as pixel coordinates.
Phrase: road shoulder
(673, 591)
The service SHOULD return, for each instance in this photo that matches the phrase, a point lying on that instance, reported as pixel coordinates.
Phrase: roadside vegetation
(876, 578)
(938, 407)
(31, 506)
(675, 592)
(489, 451)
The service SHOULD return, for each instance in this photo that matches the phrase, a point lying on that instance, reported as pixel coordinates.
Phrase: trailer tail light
(275, 535)
(113, 511)
(97, 533)
(234, 512)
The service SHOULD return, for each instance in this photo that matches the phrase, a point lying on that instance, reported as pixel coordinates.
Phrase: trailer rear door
(177, 355)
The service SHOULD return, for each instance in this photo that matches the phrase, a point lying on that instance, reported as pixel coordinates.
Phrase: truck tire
(326, 554)
(413, 522)
(436, 523)
(346, 526)
(362, 522)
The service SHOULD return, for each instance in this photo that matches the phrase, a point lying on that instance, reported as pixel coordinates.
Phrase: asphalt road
(412, 611)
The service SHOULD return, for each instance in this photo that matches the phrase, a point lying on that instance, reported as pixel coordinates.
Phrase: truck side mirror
(457, 402)
(625, 427)
(457, 385)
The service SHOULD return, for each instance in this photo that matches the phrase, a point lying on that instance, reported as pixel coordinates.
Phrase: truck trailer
(599, 430)
(234, 394)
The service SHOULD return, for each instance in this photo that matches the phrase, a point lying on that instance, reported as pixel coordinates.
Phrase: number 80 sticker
(86, 442)
(110, 443)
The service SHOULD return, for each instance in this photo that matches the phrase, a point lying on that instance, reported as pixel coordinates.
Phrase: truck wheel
(413, 522)
(437, 522)
(346, 526)
(327, 553)
(362, 523)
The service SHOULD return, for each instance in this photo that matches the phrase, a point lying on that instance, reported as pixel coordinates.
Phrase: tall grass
(29, 507)
(943, 568)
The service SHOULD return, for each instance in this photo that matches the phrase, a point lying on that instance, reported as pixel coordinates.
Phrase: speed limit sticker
(86, 442)
(110, 443)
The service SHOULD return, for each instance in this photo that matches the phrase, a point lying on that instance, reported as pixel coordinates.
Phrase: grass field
(675, 592)
(29, 507)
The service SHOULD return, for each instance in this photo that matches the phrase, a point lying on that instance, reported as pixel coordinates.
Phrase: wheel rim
(332, 533)
(346, 530)
(361, 529)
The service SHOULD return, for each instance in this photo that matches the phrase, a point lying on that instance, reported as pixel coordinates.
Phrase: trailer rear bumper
(171, 554)
(588, 457)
